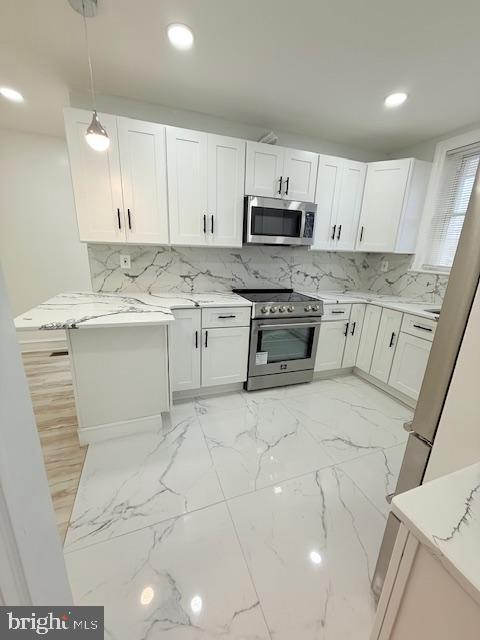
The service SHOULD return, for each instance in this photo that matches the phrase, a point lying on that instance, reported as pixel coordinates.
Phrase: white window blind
(451, 205)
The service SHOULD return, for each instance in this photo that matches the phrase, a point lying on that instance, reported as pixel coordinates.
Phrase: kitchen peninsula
(119, 354)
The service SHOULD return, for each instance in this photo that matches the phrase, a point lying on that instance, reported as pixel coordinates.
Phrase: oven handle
(297, 325)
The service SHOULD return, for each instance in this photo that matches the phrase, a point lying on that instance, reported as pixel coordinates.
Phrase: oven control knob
(264, 309)
(282, 309)
(273, 309)
(308, 307)
(316, 307)
(291, 308)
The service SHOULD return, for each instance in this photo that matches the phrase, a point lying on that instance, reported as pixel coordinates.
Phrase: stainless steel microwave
(275, 221)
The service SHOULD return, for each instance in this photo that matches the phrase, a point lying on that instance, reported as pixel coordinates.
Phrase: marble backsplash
(193, 270)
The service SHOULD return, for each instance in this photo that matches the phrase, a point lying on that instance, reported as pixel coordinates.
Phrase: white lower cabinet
(184, 337)
(205, 357)
(409, 364)
(224, 355)
(368, 337)
(353, 335)
(331, 344)
(388, 331)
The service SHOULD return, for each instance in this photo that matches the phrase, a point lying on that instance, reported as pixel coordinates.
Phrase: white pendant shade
(96, 135)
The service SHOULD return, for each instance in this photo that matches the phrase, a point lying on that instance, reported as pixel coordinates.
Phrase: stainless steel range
(283, 337)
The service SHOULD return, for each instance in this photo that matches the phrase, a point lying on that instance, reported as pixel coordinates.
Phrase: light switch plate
(125, 262)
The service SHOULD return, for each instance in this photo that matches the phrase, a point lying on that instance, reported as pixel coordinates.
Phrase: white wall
(204, 122)
(39, 247)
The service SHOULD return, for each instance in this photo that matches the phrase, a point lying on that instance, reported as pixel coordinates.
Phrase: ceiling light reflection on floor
(315, 557)
(196, 604)
(147, 596)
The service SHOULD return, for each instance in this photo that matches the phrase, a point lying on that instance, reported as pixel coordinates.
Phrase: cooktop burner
(280, 301)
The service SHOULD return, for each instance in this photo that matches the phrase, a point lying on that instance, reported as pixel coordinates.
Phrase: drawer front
(226, 317)
(336, 312)
(420, 327)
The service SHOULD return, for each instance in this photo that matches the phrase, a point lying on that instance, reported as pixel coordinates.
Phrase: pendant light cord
(92, 90)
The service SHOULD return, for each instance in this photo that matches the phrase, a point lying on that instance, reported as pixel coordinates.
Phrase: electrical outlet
(125, 262)
(384, 266)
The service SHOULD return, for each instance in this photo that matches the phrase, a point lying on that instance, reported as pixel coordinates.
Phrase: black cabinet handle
(196, 339)
(211, 224)
(354, 324)
(204, 223)
(206, 339)
(333, 232)
(361, 233)
(392, 339)
(339, 231)
(280, 187)
(224, 317)
(129, 220)
(336, 312)
(286, 190)
(346, 329)
(118, 219)
(419, 326)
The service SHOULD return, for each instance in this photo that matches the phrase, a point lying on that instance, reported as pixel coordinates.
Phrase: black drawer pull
(361, 233)
(419, 326)
(287, 183)
(352, 333)
(346, 329)
(338, 312)
(204, 223)
(392, 339)
(280, 187)
(339, 232)
(206, 339)
(129, 220)
(333, 231)
(118, 218)
(225, 317)
(211, 224)
(196, 339)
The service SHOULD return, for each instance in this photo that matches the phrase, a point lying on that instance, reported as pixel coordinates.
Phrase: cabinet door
(353, 336)
(187, 186)
(409, 364)
(144, 180)
(184, 348)
(96, 179)
(331, 343)
(263, 170)
(224, 355)
(326, 197)
(386, 342)
(382, 206)
(300, 169)
(368, 337)
(226, 180)
(349, 205)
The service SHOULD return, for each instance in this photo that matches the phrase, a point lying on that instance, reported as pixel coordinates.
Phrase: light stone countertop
(93, 310)
(444, 515)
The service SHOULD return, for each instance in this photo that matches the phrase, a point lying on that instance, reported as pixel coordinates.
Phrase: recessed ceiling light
(180, 36)
(395, 99)
(11, 94)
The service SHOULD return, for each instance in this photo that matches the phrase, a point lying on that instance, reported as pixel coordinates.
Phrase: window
(446, 205)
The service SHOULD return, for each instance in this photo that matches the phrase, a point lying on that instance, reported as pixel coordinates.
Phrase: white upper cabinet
(226, 178)
(279, 172)
(96, 179)
(392, 205)
(187, 153)
(300, 169)
(144, 180)
(338, 197)
(205, 187)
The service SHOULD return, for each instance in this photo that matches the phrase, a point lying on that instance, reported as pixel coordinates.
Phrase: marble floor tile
(259, 445)
(311, 545)
(182, 579)
(350, 418)
(376, 474)
(129, 483)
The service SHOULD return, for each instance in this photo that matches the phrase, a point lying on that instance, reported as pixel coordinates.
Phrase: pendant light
(96, 135)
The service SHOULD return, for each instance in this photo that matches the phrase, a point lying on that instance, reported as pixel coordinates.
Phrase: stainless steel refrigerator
(444, 358)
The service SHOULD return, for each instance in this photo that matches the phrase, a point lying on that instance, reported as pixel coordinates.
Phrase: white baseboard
(102, 432)
(207, 391)
(398, 395)
(331, 373)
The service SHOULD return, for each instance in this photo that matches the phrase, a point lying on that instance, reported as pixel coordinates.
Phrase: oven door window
(276, 222)
(277, 345)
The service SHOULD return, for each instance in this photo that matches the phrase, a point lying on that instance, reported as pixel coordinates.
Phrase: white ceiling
(314, 67)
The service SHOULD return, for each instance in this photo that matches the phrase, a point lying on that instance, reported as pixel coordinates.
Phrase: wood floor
(51, 389)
